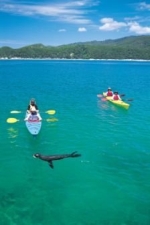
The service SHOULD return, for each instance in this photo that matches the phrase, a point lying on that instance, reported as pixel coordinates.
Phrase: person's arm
(28, 109)
(119, 97)
(36, 108)
(112, 97)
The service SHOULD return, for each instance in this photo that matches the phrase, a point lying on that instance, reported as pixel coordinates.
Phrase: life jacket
(116, 97)
(109, 93)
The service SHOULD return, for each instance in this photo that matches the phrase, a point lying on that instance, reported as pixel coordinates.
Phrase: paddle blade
(104, 99)
(52, 120)
(99, 95)
(128, 100)
(15, 111)
(51, 112)
(12, 120)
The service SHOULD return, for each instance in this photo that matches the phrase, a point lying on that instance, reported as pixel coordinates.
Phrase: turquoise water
(110, 183)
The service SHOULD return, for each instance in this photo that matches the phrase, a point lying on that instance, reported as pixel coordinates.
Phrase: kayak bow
(33, 124)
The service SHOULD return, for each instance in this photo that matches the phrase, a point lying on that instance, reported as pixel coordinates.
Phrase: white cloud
(109, 24)
(136, 28)
(132, 18)
(144, 6)
(62, 30)
(71, 12)
(73, 19)
(82, 29)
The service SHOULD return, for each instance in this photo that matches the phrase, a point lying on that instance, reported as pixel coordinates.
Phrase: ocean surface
(110, 183)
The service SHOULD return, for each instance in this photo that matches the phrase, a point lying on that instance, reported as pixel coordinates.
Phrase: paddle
(12, 120)
(51, 112)
(51, 119)
(15, 111)
(127, 100)
(99, 95)
(104, 99)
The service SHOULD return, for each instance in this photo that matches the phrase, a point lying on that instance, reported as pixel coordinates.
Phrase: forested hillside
(134, 47)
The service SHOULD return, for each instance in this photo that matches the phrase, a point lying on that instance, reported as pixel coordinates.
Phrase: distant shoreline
(50, 59)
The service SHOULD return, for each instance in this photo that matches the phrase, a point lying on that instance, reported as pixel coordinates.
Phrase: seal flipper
(51, 164)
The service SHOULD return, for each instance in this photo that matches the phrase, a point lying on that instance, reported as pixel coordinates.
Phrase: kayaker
(116, 96)
(33, 109)
(109, 92)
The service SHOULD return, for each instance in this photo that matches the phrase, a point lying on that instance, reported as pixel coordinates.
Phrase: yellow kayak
(117, 102)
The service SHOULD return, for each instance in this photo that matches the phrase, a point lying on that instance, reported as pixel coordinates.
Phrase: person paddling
(116, 96)
(109, 92)
(32, 109)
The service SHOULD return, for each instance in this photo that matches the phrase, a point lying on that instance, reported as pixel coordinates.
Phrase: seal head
(37, 155)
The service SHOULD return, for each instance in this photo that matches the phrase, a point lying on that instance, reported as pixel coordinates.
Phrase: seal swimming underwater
(50, 158)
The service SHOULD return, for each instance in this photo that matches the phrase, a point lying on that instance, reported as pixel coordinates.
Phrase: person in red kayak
(109, 92)
(116, 96)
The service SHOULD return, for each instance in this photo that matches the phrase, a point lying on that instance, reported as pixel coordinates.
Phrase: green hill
(133, 47)
(132, 41)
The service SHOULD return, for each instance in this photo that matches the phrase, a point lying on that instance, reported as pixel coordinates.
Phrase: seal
(51, 158)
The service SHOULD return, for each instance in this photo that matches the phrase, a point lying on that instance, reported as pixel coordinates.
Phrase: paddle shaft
(51, 112)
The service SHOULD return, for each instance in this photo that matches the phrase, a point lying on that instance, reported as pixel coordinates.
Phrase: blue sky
(57, 22)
